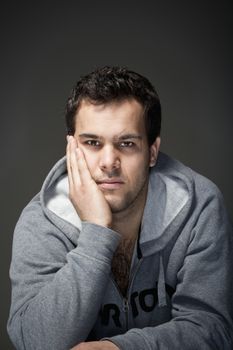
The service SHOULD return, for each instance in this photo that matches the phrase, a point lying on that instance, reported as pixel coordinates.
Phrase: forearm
(196, 332)
(65, 306)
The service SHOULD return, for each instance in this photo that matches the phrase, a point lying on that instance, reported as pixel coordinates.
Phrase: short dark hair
(108, 84)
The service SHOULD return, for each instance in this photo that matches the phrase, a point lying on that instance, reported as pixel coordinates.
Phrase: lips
(110, 184)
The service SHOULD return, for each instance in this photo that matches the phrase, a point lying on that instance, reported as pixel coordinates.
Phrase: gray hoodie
(181, 287)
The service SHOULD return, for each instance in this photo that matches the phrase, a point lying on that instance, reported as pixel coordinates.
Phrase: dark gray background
(185, 49)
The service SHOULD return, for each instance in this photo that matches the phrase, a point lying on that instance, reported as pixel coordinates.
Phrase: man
(124, 247)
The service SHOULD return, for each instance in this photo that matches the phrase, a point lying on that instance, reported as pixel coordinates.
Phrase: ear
(154, 151)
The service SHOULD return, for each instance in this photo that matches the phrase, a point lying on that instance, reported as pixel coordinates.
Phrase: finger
(84, 173)
(74, 161)
(69, 171)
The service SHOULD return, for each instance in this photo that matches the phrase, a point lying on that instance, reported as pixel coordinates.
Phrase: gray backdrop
(186, 50)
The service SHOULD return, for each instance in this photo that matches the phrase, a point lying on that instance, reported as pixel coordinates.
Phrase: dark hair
(108, 84)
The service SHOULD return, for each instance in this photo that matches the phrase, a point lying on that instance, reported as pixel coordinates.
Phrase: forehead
(114, 118)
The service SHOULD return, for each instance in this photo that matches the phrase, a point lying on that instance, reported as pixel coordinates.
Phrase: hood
(170, 196)
(168, 201)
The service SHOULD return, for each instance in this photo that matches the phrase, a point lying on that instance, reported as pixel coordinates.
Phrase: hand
(96, 345)
(84, 193)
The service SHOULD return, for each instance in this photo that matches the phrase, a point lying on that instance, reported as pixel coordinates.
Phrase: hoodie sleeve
(57, 288)
(202, 306)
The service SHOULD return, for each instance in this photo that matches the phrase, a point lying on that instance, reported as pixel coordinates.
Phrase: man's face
(113, 139)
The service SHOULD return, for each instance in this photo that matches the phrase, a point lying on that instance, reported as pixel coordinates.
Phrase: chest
(141, 309)
(121, 264)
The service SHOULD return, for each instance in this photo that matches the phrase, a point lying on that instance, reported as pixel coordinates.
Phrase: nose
(109, 159)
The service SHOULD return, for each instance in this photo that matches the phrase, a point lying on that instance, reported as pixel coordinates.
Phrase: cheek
(136, 168)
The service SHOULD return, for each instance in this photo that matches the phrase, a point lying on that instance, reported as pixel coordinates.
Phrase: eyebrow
(89, 136)
(130, 136)
(123, 137)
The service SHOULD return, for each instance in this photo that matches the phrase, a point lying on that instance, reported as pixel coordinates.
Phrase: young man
(124, 247)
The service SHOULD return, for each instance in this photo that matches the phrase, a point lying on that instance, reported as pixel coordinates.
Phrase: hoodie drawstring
(161, 283)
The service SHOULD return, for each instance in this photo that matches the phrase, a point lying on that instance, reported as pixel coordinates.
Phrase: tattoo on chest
(121, 263)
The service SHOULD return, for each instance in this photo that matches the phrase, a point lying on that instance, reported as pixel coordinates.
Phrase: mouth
(110, 184)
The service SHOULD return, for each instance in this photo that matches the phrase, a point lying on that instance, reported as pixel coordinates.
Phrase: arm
(57, 288)
(202, 307)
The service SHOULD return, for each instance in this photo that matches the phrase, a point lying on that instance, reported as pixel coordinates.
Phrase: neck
(128, 222)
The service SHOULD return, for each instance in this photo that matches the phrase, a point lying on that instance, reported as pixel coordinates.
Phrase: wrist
(98, 241)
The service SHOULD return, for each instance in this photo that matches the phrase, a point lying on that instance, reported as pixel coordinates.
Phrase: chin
(116, 204)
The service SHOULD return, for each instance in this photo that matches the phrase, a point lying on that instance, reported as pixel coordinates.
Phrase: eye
(92, 143)
(127, 144)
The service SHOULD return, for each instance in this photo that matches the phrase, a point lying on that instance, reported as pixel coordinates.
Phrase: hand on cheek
(84, 193)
